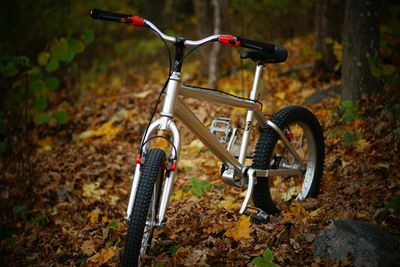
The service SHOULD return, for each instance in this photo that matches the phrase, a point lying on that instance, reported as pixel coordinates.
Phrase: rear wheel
(144, 211)
(304, 132)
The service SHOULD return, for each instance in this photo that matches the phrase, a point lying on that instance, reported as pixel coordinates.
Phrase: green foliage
(350, 138)
(159, 264)
(21, 211)
(61, 116)
(172, 250)
(350, 110)
(81, 261)
(40, 219)
(113, 225)
(265, 260)
(198, 186)
(41, 83)
(394, 204)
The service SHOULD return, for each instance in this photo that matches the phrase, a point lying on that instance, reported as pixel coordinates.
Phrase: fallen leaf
(89, 247)
(104, 256)
(240, 229)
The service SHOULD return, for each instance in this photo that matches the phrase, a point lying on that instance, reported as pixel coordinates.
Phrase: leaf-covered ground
(79, 176)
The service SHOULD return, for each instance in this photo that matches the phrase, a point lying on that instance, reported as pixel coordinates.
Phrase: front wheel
(304, 132)
(144, 211)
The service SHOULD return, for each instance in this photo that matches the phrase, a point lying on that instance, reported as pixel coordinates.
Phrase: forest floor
(65, 203)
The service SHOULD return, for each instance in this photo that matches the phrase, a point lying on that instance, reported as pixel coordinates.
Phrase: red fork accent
(289, 136)
(139, 159)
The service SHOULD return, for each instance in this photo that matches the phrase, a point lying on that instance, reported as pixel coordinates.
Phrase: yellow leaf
(229, 204)
(94, 217)
(91, 190)
(104, 219)
(280, 95)
(362, 145)
(240, 230)
(106, 130)
(104, 256)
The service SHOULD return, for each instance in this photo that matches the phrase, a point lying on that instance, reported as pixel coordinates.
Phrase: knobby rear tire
(266, 154)
(151, 171)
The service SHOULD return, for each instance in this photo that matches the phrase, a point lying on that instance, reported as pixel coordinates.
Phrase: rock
(318, 96)
(366, 243)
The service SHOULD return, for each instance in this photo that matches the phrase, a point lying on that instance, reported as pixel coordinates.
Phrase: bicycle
(288, 158)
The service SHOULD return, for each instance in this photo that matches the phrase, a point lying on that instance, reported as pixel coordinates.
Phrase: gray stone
(318, 96)
(366, 243)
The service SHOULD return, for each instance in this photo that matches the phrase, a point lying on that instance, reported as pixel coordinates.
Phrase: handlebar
(227, 39)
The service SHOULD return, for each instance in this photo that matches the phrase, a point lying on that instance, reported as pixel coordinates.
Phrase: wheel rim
(287, 189)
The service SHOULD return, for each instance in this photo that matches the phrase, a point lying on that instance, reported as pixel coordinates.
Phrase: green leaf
(87, 36)
(61, 116)
(81, 261)
(172, 250)
(388, 69)
(34, 74)
(38, 86)
(52, 83)
(9, 70)
(52, 66)
(42, 118)
(348, 139)
(43, 58)
(21, 60)
(198, 186)
(159, 264)
(41, 103)
(75, 46)
(328, 40)
(40, 219)
(67, 56)
(259, 262)
(113, 225)
(21, 211)
(318, 55)
(59, 48)
(375, 71)
(268, 255)
(293, 75)
(337, 66)
(109, 244)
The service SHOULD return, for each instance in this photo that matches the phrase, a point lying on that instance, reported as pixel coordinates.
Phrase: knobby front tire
(305, 134)
(139, 233)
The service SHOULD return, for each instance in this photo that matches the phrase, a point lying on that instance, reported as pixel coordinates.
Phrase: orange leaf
(240, 230)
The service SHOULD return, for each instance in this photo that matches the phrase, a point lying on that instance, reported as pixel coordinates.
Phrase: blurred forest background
(63, 74)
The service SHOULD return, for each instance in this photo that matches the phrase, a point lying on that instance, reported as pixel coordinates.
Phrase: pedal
(257, 214)
(221, 128)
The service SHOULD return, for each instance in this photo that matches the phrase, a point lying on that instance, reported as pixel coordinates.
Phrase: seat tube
(254, 95)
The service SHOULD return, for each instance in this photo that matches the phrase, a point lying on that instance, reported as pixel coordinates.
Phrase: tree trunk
(329, 19)
(361, 41)
(203, 9)
(209, 15)
(213, 58)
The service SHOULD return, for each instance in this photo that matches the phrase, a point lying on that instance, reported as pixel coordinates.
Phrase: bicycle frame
(173, 105)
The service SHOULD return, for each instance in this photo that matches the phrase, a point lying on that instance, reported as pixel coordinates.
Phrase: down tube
(197, 127)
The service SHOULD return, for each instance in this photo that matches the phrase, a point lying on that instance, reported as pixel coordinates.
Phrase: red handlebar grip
(135, 21)
(228, 40)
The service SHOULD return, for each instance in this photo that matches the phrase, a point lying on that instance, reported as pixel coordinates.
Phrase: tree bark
(328, 23)
(361, 41)
(210, 17)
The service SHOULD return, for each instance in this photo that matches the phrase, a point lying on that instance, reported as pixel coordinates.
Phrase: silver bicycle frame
(173, 105)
